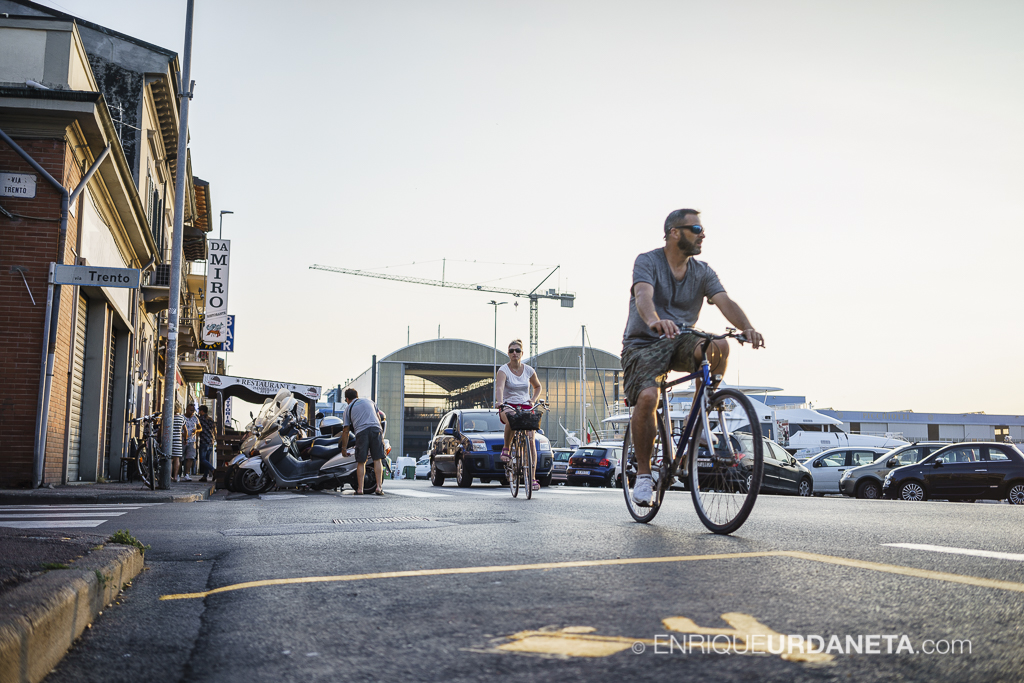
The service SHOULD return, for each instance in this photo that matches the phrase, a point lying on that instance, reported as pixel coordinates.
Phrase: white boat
(799, 428)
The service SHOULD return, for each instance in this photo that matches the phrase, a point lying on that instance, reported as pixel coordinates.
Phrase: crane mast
(533, 295)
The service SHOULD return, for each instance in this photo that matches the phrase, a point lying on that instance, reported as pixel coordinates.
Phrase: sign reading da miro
(217, 289)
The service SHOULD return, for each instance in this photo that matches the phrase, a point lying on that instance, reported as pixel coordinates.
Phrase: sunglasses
(695, 229)
(515, 350)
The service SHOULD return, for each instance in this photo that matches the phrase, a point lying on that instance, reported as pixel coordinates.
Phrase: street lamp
(220, 232)
(494, 392)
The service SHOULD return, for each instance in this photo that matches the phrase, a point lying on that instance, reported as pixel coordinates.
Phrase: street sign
(90, 276)
(21, 185)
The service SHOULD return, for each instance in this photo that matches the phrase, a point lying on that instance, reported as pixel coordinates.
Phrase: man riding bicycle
(669, 288)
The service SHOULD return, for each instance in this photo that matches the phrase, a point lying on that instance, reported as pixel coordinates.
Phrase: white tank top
(517, 387)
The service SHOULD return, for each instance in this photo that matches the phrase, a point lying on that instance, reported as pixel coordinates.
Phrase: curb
(57, 496)
(41, 620)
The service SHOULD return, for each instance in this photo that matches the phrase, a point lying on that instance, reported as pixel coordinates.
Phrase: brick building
(70, 89)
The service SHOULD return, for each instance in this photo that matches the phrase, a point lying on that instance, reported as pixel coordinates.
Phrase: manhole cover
(379, 520)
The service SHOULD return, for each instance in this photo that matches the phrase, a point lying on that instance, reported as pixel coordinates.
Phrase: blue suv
(467, 445)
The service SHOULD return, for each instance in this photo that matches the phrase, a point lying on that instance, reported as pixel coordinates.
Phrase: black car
(467, 445)
(782, 473)
(963, 471)
(596, 465)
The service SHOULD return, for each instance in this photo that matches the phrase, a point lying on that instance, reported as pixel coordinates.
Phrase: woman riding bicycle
(516, 385)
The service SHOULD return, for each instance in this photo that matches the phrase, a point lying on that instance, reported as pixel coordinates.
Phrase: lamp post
(494, 391)
(220, 231)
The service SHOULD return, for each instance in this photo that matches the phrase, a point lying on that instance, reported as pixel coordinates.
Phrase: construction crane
(533, 295)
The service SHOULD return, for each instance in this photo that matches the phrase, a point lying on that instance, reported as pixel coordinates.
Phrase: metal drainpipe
(52, 303)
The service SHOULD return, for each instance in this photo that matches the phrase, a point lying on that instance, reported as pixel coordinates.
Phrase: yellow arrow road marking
(813, 557)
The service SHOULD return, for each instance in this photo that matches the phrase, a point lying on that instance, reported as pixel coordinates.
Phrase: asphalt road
(798, 568)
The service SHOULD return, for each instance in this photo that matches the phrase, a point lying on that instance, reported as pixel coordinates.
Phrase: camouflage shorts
(647, 366)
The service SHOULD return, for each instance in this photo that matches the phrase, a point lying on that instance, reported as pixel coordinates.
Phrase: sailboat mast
(583, 384)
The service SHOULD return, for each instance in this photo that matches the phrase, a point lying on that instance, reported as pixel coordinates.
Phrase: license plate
(703, 462)
(582, 471)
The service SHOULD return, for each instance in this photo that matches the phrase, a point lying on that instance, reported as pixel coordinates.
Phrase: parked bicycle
(147, 454)
(723, 480)
(522, 457)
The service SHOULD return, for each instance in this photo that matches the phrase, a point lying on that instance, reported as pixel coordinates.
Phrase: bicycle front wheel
(629, 472)
(146, 463)
(725, 467)
(513, 467)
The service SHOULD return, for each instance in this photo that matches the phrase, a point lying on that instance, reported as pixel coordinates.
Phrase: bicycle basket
(525, 421)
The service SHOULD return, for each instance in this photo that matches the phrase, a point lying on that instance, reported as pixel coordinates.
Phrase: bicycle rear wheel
(719, 474)
(629, 472)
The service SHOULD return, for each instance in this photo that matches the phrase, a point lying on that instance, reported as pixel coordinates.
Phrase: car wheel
(805, 487)
(462, 476)
(869, 490)
(1015, 495)
(610, 484)
(912, 491)
(436, 478)
(618, 482)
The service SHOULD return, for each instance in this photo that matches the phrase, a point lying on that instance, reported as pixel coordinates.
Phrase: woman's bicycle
(718, 455)
(520, 466)
(147, 454)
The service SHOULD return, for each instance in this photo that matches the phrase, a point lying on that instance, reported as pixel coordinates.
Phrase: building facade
(74, 95)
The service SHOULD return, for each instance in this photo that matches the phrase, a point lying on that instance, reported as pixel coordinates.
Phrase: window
(909, 456)
(837, 459)
(963, 454)
(997, 455)
(863, 458)
(1002, 433)
(779, 454)
(933, 432)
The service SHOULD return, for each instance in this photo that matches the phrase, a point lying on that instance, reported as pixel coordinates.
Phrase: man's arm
(644, 293)
(344, 439)
(735, 315)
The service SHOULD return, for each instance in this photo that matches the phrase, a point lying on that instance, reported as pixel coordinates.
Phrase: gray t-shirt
(677, 301)
(363, 414)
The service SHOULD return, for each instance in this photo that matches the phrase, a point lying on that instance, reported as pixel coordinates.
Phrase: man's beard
(688, 248)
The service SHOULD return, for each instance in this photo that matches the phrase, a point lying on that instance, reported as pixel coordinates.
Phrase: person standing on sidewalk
(206, 429)
(190, 425)
(361, 416)
(177, 432)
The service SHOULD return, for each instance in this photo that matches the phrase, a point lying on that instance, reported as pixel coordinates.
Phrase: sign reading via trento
(89, 276)
(21, 185)
(217, 290)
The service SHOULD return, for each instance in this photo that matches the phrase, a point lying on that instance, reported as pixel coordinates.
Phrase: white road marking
(75, 513)
(48, 508)
(413, 493)
(279, 496)
(958, 551)
(52, 524)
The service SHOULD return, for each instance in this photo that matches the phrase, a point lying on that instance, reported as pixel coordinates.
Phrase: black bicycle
(520, 464)
(723, 473)
(147, 455)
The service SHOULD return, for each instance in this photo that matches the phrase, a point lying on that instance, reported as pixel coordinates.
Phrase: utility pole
(180, 169)
(494, 392)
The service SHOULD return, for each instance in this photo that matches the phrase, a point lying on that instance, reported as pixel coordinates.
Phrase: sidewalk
(53, 583)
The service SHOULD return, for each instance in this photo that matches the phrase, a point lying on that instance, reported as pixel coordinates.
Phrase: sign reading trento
(22, 185)
(89, 276)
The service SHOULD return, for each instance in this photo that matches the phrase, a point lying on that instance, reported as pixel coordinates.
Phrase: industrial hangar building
(416, 385)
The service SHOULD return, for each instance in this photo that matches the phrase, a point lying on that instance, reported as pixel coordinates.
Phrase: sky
(857, 165)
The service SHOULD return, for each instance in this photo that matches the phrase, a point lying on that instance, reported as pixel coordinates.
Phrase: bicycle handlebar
(730, 332)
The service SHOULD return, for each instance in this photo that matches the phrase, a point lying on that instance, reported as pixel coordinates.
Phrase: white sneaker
(186, 478)
(643, 491)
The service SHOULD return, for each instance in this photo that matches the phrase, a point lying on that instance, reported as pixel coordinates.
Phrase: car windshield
(481, 422)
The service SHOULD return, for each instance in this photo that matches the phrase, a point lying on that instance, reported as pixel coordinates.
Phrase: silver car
(866, 481)
(560, 461)
(828, 466)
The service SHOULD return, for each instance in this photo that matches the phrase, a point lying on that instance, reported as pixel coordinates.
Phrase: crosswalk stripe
(85, 513)
(412, 493)
(51, 523)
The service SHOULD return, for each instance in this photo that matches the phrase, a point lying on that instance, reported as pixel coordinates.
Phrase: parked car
(560, 461)
(782, 473)
(828, 466)
(963, 471)
(467, 445)
(595, 465)
(423, 467)
(866, 481)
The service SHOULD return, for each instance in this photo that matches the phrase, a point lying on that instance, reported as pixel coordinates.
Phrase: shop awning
(255, 390)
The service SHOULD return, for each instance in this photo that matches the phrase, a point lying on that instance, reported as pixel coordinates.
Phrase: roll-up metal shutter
(111, 356)
(77, 376)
